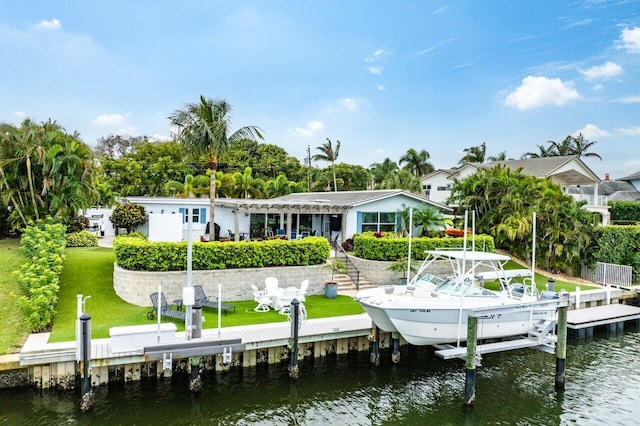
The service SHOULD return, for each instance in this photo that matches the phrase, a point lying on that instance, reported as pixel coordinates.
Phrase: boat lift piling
(545, 343)
(395, 344)
(375, 345)
(293, 352)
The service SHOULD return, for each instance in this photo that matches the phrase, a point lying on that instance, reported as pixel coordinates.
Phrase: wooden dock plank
(601, 315)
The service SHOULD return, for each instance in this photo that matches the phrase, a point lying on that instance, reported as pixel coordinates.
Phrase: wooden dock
(581, 322)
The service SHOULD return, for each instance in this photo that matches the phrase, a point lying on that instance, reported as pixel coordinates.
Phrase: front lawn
(13, 332)
(89, 271)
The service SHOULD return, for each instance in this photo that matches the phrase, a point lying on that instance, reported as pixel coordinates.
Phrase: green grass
(13, 331)
(89, 271)
(541, 281)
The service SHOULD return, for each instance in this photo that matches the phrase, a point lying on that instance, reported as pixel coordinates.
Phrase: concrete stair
(347, 286)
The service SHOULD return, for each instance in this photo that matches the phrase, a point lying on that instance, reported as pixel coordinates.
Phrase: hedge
(368, 246)
(624, 211)
(82, 239)
(39, 277)
(137, 254)
(616, 244)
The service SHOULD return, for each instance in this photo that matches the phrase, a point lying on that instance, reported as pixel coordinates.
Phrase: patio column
(236, 225)
(289, 225)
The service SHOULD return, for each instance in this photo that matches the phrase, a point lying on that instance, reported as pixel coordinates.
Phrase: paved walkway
(106, 241)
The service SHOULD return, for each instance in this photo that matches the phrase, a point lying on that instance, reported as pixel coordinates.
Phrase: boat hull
(438, 326)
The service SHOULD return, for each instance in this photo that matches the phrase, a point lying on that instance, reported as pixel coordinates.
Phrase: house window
(196, 215)
(378, 221)
(442, 188)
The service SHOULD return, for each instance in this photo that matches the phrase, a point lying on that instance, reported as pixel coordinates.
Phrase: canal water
(513, 388)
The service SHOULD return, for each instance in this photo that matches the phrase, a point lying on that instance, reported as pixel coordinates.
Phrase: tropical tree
(505, 200)
(403, 179)
(246, 185)
(379, 171)
(571, 145)
(191, 187)
(203, 128)
(128, 216)
(416, 162)
(330, 154)
(428, 219)
(474, 154)
(279, 186)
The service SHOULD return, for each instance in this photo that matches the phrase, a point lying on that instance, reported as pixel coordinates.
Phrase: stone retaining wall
(135, 286)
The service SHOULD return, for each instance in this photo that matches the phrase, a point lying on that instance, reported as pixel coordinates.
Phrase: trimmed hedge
(137, 254)
(624, 211)
(370, 247)
(82, 239)
(39, 277)
(616, 244)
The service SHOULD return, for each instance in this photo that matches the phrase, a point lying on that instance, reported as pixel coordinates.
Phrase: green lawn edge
(12, 320)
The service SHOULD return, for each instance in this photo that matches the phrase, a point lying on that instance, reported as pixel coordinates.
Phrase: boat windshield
(456, 287)
(427, 280)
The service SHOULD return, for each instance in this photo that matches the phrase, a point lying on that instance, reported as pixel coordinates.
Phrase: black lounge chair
(166, 309)
(209, 301)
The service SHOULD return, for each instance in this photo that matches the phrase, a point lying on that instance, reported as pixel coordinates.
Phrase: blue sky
(379, 76)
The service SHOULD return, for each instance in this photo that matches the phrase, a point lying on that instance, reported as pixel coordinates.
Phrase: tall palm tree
(329, 154)
(577, 145)
(474, 154)
(381, 170)
(204, 129)
(416, 162)
(246, 185)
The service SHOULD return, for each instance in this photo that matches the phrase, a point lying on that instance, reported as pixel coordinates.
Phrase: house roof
(327, 202)
(568, 169)
(633, 176)
(615, 190)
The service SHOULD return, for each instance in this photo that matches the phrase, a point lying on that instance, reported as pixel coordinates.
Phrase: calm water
(513, 388)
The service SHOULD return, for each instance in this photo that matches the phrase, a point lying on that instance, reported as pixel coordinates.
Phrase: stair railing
(352, 270)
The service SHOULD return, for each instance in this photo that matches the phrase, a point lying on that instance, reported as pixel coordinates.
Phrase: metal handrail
(352, 270)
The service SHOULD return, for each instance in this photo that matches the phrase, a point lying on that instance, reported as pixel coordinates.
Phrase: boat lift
(541, 336)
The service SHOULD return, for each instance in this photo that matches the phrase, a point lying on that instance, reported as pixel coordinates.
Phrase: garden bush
(616, 244)
(82, 239)
(138, 254)
(388, 247)
(39, 277)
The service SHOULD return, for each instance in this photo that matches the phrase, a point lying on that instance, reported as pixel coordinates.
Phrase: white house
(564, 171)
(334, 215)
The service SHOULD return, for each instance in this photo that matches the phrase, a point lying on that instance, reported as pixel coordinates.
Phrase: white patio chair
(284, 302)
(271, 285)
(262, 299)
(303, 291)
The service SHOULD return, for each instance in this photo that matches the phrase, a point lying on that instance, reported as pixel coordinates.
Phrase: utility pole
(309, 168)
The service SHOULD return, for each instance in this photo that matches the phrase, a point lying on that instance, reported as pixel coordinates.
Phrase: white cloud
(51, 25)
(629, 131)
(310, 130)
(349, 103)
(598, 87)
(629, 100)
(377, 60)
(606, 70)
(539, 91)
(591, 131)
(380, 87)
(157, 137)
(109, 120)
(630, 39)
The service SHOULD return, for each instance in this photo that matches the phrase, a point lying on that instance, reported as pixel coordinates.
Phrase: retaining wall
(135, 286)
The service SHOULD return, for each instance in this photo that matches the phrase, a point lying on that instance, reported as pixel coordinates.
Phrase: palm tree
(474, 154)
(328, 153)
(416, 162)
(246, 185)
(204, 129)
(279, 186)
(576, 146)
(381, 170)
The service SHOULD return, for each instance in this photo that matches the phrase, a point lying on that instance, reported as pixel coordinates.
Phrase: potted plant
(400, 265)
(331, 287)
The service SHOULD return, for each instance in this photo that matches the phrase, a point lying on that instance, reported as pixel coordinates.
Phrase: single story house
(333, 215)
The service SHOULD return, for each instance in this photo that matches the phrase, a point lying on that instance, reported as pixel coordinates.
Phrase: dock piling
(470, 364)
(86, 401)
(375, 346)
(395, 354)
(293, 352)
(561, 347)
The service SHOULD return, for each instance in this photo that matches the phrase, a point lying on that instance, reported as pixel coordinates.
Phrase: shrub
(82, 239)
(38, 278)
(391, 248)
(140, 255)
(128, 216)
(616, 244)
(628, 211)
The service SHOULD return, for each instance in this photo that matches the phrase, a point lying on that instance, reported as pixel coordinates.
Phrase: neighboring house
(334, 215)
(613, 190)
(564, 171)
(634, 180)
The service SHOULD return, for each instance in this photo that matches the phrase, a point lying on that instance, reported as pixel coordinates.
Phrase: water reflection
(517, 387)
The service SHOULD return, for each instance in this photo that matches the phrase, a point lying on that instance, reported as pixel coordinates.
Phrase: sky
(379, 76)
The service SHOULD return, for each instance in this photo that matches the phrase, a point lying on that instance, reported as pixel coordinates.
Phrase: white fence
(609, 274)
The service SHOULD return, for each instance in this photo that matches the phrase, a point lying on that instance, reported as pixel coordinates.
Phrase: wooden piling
(86, 394)
(395, 353)
(561, 348)
(293, 353)
(470, 364)
(374, 347)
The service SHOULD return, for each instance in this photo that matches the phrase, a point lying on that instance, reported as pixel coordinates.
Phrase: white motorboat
(430, 310)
